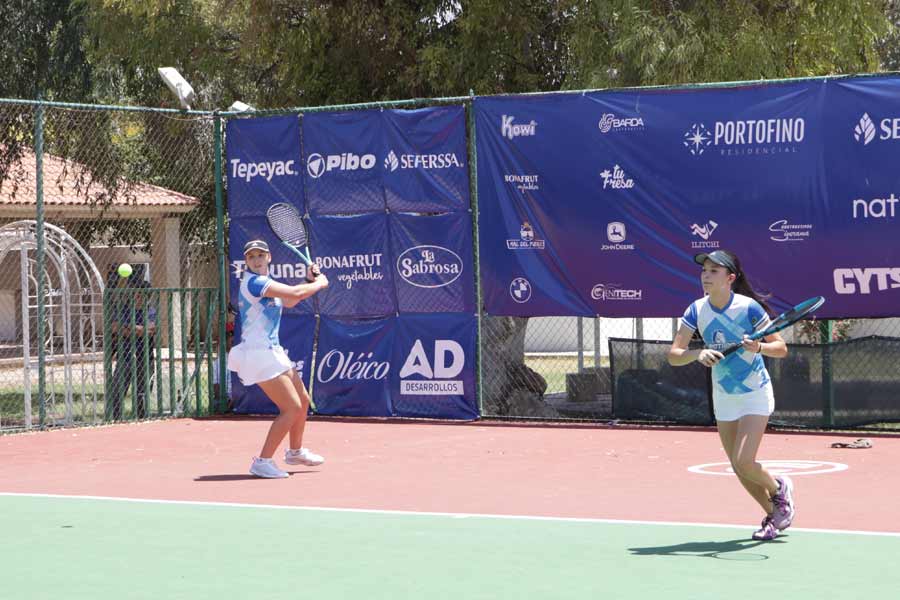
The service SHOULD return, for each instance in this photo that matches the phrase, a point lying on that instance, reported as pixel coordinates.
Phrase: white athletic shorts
(254, 365)
(731, 407)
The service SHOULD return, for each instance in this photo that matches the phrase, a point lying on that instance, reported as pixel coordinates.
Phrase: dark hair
(742, 285)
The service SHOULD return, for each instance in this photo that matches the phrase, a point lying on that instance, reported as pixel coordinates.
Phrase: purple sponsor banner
(263, 165)
(794, 177)
(434, 366)
(426, 168)
(353, 366)
(353, 252)
(342, 154)
(433, 263)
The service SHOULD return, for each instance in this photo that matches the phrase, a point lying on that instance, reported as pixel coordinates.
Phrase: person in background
(229, 342)
(132, 337)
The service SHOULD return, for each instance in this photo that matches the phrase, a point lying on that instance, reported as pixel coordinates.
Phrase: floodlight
(239, 106)
(181, 88)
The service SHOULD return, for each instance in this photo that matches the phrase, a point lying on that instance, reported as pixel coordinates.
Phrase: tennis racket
(783, 321)
(286, 222)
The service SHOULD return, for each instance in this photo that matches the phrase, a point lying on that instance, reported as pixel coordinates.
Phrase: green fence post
(198, 353)
(132, 351)
(157, 339)
(211, 400)
(827, 375)
(221, 401)
(473, 208)
(172, 394)
(107, 355)
(39, 257)
(144, 396)
(184, 348)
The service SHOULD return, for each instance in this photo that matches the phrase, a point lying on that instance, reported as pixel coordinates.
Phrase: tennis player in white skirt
(259, 358)
(728, 312)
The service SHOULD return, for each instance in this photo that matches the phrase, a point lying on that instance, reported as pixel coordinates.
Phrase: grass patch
(554, 368)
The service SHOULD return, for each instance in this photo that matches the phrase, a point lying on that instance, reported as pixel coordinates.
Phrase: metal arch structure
(73, 340)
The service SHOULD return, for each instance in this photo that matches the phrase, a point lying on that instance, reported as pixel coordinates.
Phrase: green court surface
(98, 549)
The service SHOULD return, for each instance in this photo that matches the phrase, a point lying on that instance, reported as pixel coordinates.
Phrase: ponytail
(742, 285)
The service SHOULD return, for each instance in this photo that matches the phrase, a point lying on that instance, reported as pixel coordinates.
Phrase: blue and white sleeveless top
(740, 372)
(260, 316)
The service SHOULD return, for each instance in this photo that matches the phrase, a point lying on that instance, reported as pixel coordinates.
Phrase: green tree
(42, 56)
(889, 45)
(278, 53)
(622, 43)
(42, 51)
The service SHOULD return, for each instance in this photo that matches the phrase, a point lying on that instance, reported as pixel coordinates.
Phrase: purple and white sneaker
(783, 503)
(767, 530)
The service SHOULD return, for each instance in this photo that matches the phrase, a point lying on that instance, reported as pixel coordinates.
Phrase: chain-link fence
(83, 190)
(616, 369)
(555, 367)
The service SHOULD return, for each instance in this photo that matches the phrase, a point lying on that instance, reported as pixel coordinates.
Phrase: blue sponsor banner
(353, 365)
(353, 252)
(434, 366)
(689, 171)
(862, 143)
(285, 267)
(296, 334)
(433, 263)
(341, 153)
(426, 168)
(596, 203)
(524, 203)
(263, 164)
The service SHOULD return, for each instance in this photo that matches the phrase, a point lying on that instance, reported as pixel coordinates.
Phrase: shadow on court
(241, 476)
(232, 477)
(729, 550)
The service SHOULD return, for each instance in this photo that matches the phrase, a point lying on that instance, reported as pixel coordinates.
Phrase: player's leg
(750, 430)
(728, 432)
(282, 392)
(296, 453)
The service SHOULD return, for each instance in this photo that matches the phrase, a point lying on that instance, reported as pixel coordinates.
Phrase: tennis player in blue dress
(260, 359)
(743, 400)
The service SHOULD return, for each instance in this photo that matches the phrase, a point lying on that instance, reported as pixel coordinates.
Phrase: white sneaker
(266, 468)
(302, 457)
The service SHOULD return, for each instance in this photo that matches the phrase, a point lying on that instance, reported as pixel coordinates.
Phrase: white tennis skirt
(731, 407)
(254, 365)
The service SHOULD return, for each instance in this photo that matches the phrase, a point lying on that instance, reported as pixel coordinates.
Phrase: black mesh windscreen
(646, 388)
(849, 383)
(854, 382)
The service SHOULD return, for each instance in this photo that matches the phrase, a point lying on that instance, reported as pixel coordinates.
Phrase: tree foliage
(280, 53)
(289, 53)
(632, 43)
(43, 51)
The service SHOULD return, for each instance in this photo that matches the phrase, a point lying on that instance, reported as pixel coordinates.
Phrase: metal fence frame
(216, 118)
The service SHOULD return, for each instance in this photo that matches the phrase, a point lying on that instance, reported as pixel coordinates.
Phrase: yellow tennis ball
(125, 270)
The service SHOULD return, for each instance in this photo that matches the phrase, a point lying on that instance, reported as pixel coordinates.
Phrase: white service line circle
(776, 467)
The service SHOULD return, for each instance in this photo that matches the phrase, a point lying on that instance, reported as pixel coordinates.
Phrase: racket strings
(287, 224)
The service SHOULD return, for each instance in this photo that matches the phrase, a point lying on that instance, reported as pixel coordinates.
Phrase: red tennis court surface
(557, 471)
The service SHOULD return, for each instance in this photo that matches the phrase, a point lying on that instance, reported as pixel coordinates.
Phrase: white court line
(440, 514)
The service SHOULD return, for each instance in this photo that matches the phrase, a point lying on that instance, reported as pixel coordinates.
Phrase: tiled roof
(67, 183)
